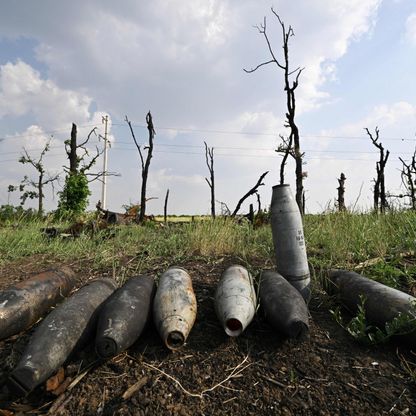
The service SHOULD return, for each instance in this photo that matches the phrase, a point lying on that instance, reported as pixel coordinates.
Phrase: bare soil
(257, 373)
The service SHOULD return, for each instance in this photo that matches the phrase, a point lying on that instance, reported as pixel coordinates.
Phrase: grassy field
(377, 244)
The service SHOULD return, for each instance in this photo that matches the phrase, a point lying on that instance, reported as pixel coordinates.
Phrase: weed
(367, 334)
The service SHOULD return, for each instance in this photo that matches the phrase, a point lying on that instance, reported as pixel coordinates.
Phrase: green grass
(333, 240)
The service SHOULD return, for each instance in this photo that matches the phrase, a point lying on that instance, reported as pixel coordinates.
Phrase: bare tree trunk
(341, 192)
(258, 203)
(145, 171)
(72, 153)
(408, 175)
(251, 214)
(40, 193)
(252, 191)
(165, 208)
(380, 201)
(209, 158)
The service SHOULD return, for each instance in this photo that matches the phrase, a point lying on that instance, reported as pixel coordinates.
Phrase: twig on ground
(234, 373)
(134, 388)
(273, 381)
(397, 400)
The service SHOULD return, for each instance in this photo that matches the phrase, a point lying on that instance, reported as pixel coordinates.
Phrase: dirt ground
(257, 373)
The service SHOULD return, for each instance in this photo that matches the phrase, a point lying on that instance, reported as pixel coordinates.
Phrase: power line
(270, 134)
(262, 148)
(245, 155)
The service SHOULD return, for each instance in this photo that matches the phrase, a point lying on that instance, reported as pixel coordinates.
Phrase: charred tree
(379, 198)
(291, 82)
(41, 181)
(78, 155)
(408, 174)
(252, 191)
(341, 192)
(145, 164)
(209, 159)
(73, 199)
(165, 208)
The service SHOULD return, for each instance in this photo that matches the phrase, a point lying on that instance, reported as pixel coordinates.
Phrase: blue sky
(62, 63)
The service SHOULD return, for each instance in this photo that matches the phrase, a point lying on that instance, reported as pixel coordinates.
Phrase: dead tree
(78, 163)
(165, 208)
(73, 199)
(41, 181)
(145, 164)
(291, 81)
(341, 192)
(252, 191)
(209, 159)
(408, 175)
(380, 200)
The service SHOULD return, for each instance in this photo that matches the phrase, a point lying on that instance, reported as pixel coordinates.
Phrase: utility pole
(104, 188)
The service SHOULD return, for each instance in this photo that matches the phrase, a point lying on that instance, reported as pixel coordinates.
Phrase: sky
(65, 62)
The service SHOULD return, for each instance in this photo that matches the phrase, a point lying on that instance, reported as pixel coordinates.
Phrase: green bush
(73, 200)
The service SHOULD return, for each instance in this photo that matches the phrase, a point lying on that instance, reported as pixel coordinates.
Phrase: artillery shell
(283, 306)
(22, 304)
(65, 329)
(124, 315)
(382, 303)
(174, 307)
(235, 300)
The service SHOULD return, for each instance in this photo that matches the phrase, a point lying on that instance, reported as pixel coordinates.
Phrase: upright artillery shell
(382, 303)
(288, 240)
(174, 307)
(124, 315)
(58, 335)
(284, 307)
(22, 304)
(235, 300)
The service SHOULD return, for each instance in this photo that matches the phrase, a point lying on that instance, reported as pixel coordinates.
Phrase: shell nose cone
(175, 340)
(106, 347)
(233, 327)
(298, 330)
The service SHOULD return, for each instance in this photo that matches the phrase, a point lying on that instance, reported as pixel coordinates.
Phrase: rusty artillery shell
(124, 315)
(382, 303)
(283, 306)
(174, 307)
(235, 300)
(22, 304)
(65, 329)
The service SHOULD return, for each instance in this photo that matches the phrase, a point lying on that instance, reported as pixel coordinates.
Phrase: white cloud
(184, 60)
(22, 91)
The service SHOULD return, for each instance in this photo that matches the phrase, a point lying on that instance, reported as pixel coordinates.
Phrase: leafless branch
(252, 191)
(135, 141)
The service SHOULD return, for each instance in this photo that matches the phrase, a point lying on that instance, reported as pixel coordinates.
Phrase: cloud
(23, 91)
(184, 62)
(173, 56)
